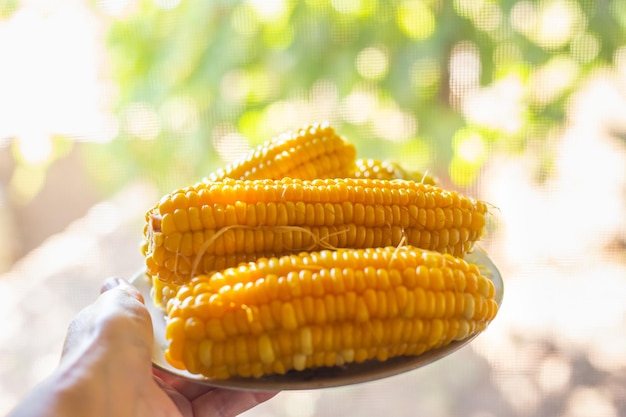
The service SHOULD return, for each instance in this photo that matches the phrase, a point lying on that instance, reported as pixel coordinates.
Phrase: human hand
(106, 369)
(197, 400)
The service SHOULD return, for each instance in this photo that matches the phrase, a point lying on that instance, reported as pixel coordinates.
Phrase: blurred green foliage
(8, 7)
(434, 84)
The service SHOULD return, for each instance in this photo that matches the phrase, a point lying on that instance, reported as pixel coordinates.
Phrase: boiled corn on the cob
(325, 308)
(208, 227)
(315, 151)
(387, 170)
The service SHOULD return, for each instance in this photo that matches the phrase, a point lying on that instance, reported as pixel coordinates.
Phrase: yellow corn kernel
(382, 318)
(162, 292)
(387, 170)
(315, 151)
(295, 215)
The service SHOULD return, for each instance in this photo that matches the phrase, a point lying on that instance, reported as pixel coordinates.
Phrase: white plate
(318, 378)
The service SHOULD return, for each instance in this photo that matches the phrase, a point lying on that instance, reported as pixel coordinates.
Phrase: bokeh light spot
(588, 401)
(486, 15)
(167, 4)
(585, 48)
(469, 146)
(270, 10)
(559, 21)
(554, 374)
(346, 6)
(465, 69)
(372, 63)
(553, 78)
(415, 19)
(141, 121)
(523, 17)
(359, 106)
(229, 144)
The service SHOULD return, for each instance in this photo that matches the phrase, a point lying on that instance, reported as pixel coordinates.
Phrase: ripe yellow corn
(315, 151)
(387, 170)
(312, 152)
(161, 292)
(325, 308)
(209, 227)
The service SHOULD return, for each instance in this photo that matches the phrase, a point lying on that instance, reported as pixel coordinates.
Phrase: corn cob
(325, 308)
(208, 227)
(387, 170)
(312, 152)
(161, 292)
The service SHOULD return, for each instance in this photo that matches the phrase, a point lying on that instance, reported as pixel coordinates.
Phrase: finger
(179, 400)
(188, 389)
(122, 316)
(226, 403)
(110, 283)
(119, 283)
(118, 315)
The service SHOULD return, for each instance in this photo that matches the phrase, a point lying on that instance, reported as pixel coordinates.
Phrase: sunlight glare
(114, 8)
(51, 78)
(269, 10)
(499, 106)
(34, 147)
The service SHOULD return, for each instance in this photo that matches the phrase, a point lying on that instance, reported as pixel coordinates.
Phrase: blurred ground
(557, 347)
(67, 194)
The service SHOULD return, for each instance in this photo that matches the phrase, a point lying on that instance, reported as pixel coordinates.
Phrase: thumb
(118, 314)
(123, 285)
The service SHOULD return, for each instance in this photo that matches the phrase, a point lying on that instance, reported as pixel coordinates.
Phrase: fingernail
(111, 283)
